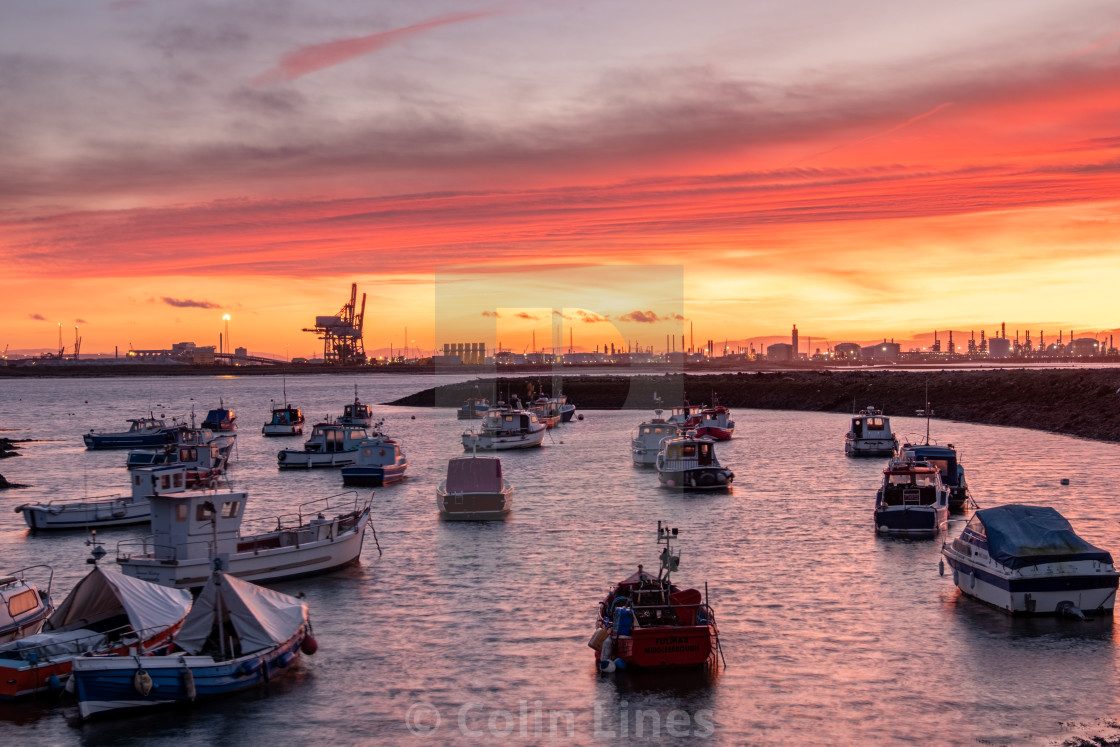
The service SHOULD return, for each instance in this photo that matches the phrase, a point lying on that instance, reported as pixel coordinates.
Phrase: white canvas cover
(261, 617)
(150, 607)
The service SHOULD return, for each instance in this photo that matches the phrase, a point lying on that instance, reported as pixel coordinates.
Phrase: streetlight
(228, 346)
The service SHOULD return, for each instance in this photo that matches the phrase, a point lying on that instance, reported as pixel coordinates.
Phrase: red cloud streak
(328, 54)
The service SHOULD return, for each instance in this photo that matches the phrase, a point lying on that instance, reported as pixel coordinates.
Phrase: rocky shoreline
(1075, 402)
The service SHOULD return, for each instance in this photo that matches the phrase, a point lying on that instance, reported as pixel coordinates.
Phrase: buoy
(580, 416)
(187, 678)
(1065, 481)
(620, 664)
(142, 682)
(941, 567)
(414, 417)
(309, 645)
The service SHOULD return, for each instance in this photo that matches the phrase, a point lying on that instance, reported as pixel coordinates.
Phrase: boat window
(137, 480)
(367, 452)
(180, 512)
(165, 482)
(876, 424)
(229, 509)
(923, 481)
(899, 479)
(688, 451)
(188, 455)
(856, 423)
(705, 454)
(202, 513)
(25, 601)
(177, 479)
(977, 526)
(509, 418)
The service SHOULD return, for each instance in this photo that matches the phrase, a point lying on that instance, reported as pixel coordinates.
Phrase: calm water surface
(478, 631)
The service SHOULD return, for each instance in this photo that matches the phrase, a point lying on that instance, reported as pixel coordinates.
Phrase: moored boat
(547, 410)
(189, 530)
(204, 463)
(474, 490)
(237, 636)
(912, 500)
(356, 414)
(24, 607)
(150, 431)
(714, 422)
(221, 418)
(105, 615)
(650, 622)
(110, 510)
(285, 421)
(1028, 560)
(947, 461)
(379, 462)
(475, 408)
(330, 445)
(645, 441)
(870, 435)
(689, 462)
(505, 428)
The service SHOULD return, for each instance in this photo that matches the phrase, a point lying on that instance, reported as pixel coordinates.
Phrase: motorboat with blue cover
(221, 418)
(1028, 560)
(912, 500)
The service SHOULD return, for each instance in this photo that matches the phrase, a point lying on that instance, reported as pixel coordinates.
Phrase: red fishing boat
(651, 623)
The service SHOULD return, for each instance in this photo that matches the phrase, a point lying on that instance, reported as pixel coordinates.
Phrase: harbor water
(469, 633)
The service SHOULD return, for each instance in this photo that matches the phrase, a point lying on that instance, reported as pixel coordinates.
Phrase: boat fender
(249, 666)
(941, 567)
(281, 456)
(187, 678)
(142, 682)
(54, 683)
(707, 479)
(972, 580)
(721, 477)
(286, 658)
(605, 652)
(309, 645)
(620, 663)
(71, 685)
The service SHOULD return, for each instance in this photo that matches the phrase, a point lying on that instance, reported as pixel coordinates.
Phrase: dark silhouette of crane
(342, 333)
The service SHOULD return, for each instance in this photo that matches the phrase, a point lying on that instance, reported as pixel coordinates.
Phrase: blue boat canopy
(1021, 535)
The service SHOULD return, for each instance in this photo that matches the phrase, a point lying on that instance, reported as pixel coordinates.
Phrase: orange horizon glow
(886, 200)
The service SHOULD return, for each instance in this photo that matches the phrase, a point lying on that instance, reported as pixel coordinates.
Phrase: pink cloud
(644, 317)
(316, 57)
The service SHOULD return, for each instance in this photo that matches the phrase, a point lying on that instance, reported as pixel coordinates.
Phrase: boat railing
(346, 502)
(97, 642)
(145, 547)
(675, 465)
(56, 506)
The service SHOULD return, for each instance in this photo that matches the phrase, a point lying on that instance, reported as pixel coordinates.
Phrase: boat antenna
(927, 412)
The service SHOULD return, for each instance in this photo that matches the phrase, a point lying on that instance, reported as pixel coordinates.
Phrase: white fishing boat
(285, 421)
(105, 615)
(645, 441)
(237, 636)
(1028, 560)
(912, 500)
(110, 510)
(357, 414)
(505, 428)
(380, 461)
(870, 435)
(204, 463)
(689, 462)
(190, 530)
(474, 490)
(330, 445)
(24, 606)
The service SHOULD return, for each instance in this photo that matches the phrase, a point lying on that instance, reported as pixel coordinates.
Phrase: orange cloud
(315, 57)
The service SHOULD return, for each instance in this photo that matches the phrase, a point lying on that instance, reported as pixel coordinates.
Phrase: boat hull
(912, 521)
(665, 647)
(374, 477)
(1092, 592)
(296, 459)
(277, 556)
(115, 513)
(474, 506)
(716, 432)
(703, 478)
(503, 443)
(105, 686)
(95, 441)
(870, 447)
(282, 430)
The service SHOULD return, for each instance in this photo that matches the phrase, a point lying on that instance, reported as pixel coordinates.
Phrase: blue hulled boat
(142, 432)
(380, 461)
(912, 500)
(237, 636)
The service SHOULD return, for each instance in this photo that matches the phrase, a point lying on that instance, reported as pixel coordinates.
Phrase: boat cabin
(286, 416)
(509, 421)
(871, 424)
(328, 438)
(910, 484)
(186, 525)
(699, 452)
(942, 457)
(140, 425)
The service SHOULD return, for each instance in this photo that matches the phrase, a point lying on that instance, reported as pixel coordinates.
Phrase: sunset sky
(863, 169)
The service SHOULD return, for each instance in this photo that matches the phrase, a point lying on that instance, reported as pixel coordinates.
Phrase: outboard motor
(1070, 609)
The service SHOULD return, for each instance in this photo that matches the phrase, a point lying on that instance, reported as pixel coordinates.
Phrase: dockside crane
(342, 333)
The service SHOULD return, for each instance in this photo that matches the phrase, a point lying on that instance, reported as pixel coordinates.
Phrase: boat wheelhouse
(379, 462)
(651, 623)
(110, 510)
(505, 428)
(547, 410)
(356, 414)
(714, 422)
(190, 530)
(221, 418)
(237, 636)
(474, 490)
(947, 461)
(24, 607)
(475, 408)
(1028, 560)
(330, 445)
(285, 421)
(645, 440)
(141, 432)
(689, 462)
(204, 463)
(912, 500)
(105, 615)
(870, 435)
